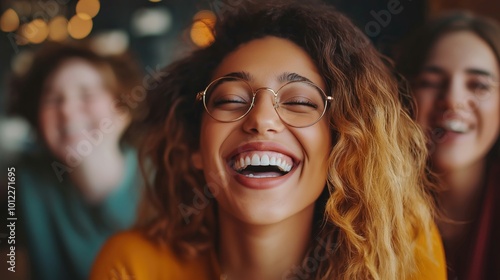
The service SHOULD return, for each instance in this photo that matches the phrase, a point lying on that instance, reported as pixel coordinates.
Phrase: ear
(197, 160)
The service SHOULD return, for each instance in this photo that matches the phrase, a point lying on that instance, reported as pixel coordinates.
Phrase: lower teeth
(260, 176)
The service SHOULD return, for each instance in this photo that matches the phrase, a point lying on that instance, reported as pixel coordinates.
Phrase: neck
(460, 202)
(99, 173)
(463, 188)
(263, 251)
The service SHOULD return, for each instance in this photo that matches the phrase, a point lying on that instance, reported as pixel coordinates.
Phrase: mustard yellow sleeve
(430, 264)
(130, 255)
(123, 257)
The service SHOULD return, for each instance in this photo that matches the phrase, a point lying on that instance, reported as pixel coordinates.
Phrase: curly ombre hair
(377, 198)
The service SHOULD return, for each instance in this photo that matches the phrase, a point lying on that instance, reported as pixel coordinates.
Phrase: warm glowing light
(78, 27)
(155, 1)
(58, 29)
(9, 21)
(202, 34)
(87, 9)
(20, 38)
(41, 33)
(202, 29)
(35, 32)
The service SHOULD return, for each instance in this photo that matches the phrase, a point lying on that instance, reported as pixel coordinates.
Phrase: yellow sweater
(130, 256)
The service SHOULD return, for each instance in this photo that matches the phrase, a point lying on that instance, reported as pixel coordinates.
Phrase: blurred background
(158, 31)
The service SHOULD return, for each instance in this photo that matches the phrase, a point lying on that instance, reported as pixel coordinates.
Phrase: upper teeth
(273, 159)
(456, 126)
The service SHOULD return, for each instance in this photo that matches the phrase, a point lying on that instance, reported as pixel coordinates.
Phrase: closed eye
(300, 102)
(230, 102)
(475, 86)
(220, 102)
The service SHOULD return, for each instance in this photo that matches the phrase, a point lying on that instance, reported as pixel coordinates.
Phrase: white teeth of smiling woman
(263, 159)
(456, 126)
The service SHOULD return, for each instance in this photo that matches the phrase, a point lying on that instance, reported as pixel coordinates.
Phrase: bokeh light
(87, 9)
(79, 28)
(202, 28)
(58, 29)
(35, 32)
(112, 42)
(9, 21)
(151, 22)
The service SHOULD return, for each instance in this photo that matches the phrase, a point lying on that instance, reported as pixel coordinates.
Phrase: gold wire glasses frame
(304, 103)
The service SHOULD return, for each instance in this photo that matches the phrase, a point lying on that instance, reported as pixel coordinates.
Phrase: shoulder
(131, 255)
(130, 240)
(429, 254)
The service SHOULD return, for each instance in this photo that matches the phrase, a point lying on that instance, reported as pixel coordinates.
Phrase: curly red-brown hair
(377, 197)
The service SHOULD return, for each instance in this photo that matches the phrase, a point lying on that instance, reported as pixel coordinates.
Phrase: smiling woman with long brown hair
(281, 151)
(454, 66)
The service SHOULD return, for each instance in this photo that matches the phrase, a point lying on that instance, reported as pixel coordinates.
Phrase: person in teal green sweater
(82, 183)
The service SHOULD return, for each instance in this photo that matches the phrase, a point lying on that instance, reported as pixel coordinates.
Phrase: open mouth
(456, 126)
(262, 164)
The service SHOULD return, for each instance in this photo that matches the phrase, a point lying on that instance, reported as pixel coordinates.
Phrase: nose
(68, 108)
(455, 96)
(263, 118)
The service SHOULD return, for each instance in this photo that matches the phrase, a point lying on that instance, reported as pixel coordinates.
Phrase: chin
(262, 219)
(260, 214)
(452, 162)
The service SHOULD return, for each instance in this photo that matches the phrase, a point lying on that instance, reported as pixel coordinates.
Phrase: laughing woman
(455, 72)
(281, 152)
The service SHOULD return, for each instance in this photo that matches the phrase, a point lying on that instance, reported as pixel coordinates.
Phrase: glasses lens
(301, 103)
(228, 99)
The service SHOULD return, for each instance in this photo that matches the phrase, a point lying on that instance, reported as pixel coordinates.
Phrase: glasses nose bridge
(275, 95)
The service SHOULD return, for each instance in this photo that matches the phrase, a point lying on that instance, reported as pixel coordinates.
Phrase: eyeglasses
(297, 103)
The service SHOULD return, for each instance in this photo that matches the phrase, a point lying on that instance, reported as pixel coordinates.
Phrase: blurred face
(77, 112)
(458, 100)
(260, 169)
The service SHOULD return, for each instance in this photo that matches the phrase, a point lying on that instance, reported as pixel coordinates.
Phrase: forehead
(269, 57)
(461, 50)
(74, 70)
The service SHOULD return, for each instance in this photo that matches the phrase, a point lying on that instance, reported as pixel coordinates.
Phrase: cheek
(425, 104)
(103, 107)
(317, 142)
(490, 112)
(48, 121)
(212, 137)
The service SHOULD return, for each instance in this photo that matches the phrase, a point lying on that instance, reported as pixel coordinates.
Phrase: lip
(443, 136)
(440, 124)
(460, 116)
(261, 183)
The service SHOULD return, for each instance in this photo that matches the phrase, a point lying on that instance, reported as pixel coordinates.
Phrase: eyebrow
(292, 77)
(480, 72)
(242, 75)
(473, 71)
(284, 77)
